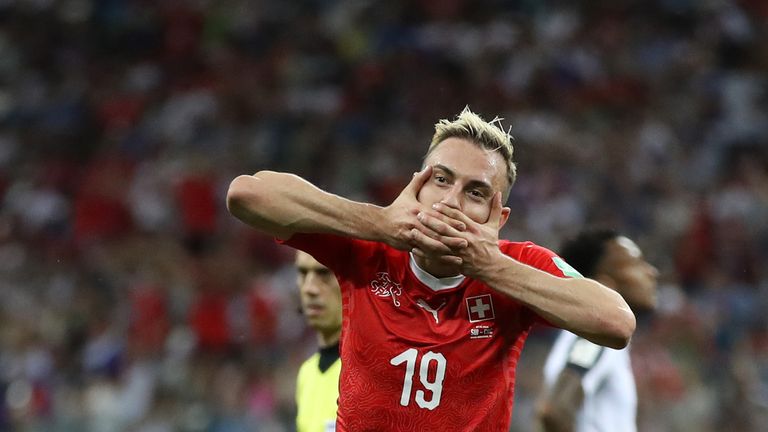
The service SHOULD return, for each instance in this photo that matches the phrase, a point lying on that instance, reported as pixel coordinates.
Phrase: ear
(505, 211)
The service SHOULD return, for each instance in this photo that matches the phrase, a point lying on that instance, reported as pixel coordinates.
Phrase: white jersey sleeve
(610, 396)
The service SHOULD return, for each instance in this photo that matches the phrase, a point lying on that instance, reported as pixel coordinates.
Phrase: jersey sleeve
(591, 361)
(543, 259)
(330, 250)
(334, 252)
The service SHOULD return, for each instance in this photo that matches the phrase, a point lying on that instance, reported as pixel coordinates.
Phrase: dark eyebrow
(444, 168)
(472, 183)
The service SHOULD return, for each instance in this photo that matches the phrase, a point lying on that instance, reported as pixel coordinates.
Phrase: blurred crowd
(131, 301)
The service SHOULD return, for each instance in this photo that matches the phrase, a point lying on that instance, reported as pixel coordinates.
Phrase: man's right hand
(401, 214)
(406, 232)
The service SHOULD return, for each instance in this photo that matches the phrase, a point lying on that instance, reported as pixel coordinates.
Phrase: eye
(441, 179)
(477, 194)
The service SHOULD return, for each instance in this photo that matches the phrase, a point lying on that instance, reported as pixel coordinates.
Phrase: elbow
(245, 195)
(621, 340)
(622, 329)
(239, 195)
(628, 323)
(251, 199)
(612, 323)
(629, 329)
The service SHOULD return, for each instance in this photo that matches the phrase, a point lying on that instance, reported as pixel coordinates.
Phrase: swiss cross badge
(480, 308)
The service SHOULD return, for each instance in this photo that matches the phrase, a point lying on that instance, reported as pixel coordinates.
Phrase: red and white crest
(384, 286)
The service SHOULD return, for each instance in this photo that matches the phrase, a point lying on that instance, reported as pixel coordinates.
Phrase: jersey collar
(436, 284)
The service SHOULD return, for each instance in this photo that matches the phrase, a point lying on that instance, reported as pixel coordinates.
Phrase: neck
(328, 338)
(435, 268)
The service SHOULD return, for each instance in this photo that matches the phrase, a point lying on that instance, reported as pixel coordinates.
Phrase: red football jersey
(419, 359)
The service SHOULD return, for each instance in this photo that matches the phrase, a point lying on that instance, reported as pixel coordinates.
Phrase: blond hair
(487, 135)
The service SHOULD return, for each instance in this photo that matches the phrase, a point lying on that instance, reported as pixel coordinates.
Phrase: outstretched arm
(281, 204)
(583, 306)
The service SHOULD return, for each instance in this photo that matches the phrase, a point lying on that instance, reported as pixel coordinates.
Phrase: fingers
(418, 180)
(445, 259)
(455, 217)
(441, 232)
(441, 225)
(441, 246)
(494, 218)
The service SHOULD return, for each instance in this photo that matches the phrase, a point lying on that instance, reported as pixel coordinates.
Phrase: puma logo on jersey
(384, 286)
(424, 305)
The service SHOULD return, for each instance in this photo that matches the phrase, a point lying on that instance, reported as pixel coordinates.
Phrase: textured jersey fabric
(417, 358)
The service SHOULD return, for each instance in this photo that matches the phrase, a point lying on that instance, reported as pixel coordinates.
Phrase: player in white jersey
(590, 388)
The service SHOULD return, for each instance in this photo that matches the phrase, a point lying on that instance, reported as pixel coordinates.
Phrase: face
(630, 274)
(465, 177)
(320, 294)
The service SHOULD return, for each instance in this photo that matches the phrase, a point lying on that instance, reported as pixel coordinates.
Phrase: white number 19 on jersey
(409, 357)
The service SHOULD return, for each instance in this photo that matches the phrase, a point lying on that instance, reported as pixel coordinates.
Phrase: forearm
(554, 422)
(582, 306)
(551, 422)
(282, 204)
(559, 405)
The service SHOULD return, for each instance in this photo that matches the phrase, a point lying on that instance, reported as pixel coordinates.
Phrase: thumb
(418, 180)
(494, 218)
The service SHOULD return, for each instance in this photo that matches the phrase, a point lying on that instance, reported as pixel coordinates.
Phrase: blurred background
(131, 301)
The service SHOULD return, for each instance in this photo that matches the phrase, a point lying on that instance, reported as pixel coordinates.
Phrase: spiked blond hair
(487, 135)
